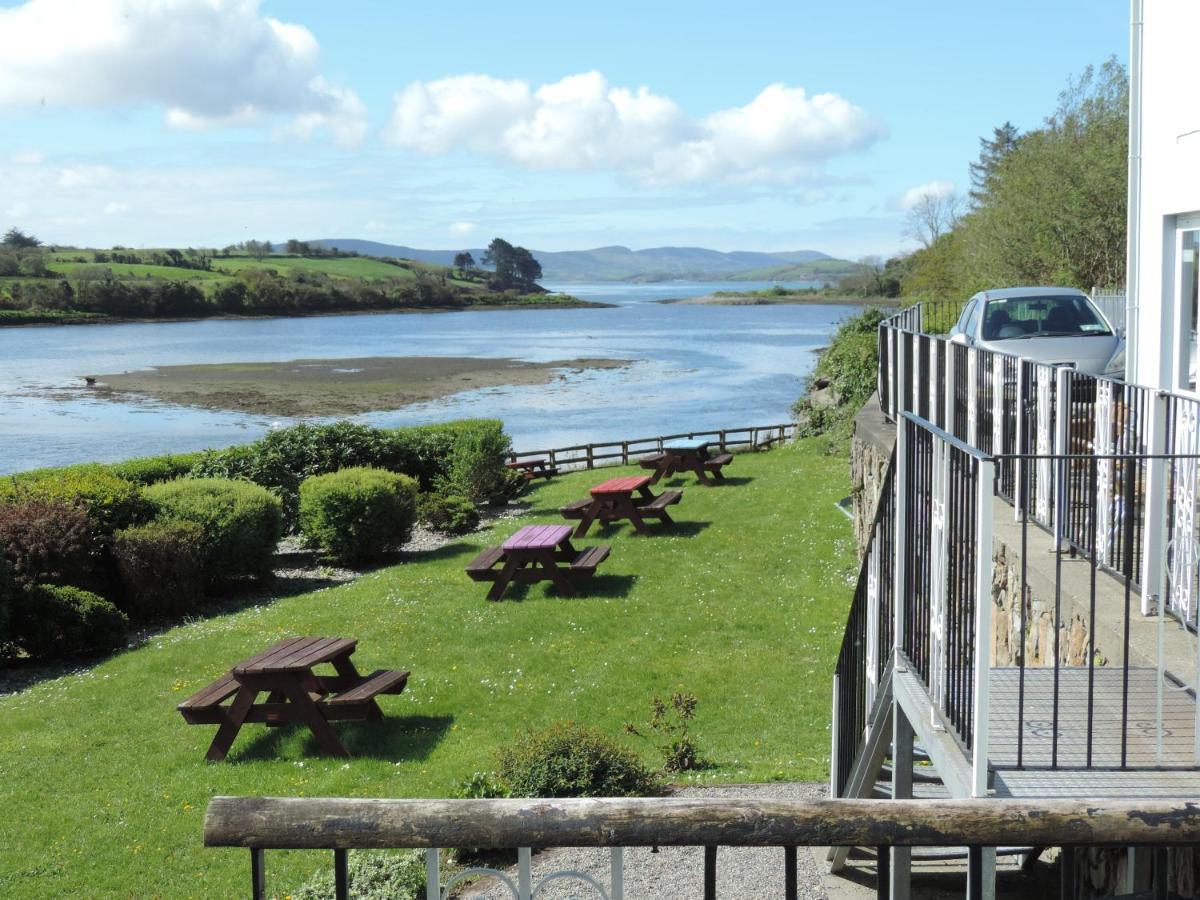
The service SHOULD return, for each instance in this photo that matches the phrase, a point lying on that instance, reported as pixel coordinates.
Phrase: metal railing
(867, 639)
(342, 824)
(622, 452)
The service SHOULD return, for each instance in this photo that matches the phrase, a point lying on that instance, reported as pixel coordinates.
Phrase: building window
(1187, 287)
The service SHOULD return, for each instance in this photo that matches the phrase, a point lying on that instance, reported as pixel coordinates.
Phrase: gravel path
(677, 873)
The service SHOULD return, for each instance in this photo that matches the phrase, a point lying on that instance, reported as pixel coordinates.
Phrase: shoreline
(83, 319)
(752, 299)
(330, 387)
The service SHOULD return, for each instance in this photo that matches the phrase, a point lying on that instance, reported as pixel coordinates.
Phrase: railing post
(1154, 544)
(900, 557)
(985, 475)
(341, 875)
(998, 389)
(973, 397)
(1062, 446)
(616, 876)
(258, 874)
(951, 387)
(624, 453)
(433, 878)
(524, 873)
(833, 746)
(1020, 488)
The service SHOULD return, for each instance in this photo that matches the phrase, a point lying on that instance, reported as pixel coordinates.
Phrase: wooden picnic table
(628, 497)
(686, 456)
(284, 672)
(536, 553)
(533, 468)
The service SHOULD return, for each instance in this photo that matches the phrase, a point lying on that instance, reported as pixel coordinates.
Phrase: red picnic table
(615, 499)
(295, 694)
(686, 456)
(534, 553)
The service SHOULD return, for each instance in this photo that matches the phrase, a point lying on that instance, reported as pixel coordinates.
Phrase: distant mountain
(622, 264)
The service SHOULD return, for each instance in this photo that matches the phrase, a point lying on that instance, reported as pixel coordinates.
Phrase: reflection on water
(698, 367)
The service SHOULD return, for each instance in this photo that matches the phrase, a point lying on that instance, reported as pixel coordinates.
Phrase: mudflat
(332, 387)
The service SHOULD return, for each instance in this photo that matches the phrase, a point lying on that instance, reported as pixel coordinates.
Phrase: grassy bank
(742, 603)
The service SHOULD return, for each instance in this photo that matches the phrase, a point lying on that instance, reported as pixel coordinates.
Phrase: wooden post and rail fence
(342, 824)
(621, 452)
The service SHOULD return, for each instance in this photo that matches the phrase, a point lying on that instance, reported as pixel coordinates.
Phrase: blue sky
(756, 125)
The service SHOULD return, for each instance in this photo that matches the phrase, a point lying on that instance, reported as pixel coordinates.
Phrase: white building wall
(1169, 185)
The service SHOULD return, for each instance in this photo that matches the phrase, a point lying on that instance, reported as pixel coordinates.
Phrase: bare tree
(931, 215)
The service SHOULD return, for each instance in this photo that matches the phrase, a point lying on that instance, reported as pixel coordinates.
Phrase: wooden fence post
(624, 453)
(591, 456)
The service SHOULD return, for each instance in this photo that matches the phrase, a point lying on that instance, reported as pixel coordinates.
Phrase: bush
(570, 760)
(477, 469)
(451, 513)
(374, 875)
(357, 514)
(850, 364)
(241, 522)
(670, 722)
(6, 597)
(46, 542)
(49, 621)
(111, 502)
(152, 469)
(162, 568)
(284, 458)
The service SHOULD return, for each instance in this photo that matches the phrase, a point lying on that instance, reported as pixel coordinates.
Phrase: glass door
(1187, 292)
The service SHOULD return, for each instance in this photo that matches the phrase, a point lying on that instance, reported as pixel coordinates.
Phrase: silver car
(1054, 325)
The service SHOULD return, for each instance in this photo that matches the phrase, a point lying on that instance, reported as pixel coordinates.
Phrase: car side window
(973, 319)
(961, 324)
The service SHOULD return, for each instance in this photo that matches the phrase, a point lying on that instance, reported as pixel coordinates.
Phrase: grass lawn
(103, 787)
(346, 267)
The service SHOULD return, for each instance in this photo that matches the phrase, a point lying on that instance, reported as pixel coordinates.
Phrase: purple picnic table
(536, 553)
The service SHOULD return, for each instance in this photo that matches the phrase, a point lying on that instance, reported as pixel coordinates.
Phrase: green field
(742, 603)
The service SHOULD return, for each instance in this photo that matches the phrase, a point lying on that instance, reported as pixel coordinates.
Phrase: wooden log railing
(620, 452)
(268, 823)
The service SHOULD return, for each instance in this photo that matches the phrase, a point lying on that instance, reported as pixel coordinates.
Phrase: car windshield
(1053, 315)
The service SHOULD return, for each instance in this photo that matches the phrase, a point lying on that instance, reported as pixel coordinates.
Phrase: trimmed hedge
(147, 470)
(448, 513)
(111, 502)
(52, 620)
(46, 542)
(282, 459)
(357, 514)
(161, 565)
(241, 523)
(571, 760)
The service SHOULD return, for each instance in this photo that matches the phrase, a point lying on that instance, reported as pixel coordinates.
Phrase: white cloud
(17, 209)
(209, 63)
(936, 189)
(583, 123)
(27, 158)
(83, 176)
(462, 228)
(115, 209)
(376, 226)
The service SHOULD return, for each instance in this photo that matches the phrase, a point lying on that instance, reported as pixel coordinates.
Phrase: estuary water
(694, 367)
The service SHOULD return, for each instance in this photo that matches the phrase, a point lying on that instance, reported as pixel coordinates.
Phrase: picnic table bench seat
(662, 501)
(481, 568)
(204, 706)
(585, 563)
(356, 699)
(652, 461)
(718, 462)
(575, 509)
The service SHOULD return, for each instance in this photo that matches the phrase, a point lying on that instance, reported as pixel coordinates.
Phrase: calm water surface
(696, 367)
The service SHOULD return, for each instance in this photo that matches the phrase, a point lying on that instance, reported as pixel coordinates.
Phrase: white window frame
(1180, 351)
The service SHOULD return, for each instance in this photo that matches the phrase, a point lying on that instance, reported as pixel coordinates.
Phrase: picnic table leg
(550, 566)
(628, 510)
(234, 717)
(589, 516)
(511, 563)
(309, 714)
(697, 466)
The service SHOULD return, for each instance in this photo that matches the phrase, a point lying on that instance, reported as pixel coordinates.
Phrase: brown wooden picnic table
(536, 553)
(686, 456)
(533, 468)
(628, 497)
(295, 693)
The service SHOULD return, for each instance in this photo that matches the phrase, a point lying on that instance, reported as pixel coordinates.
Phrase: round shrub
(162, 568)
(357, 514)
(111, 502)
(46, 541)
(52, 620)
(451, 513)
(241, 522)
(570, 760)
(375, 875)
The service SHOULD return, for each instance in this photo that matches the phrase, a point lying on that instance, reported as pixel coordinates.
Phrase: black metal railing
(867, 639)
